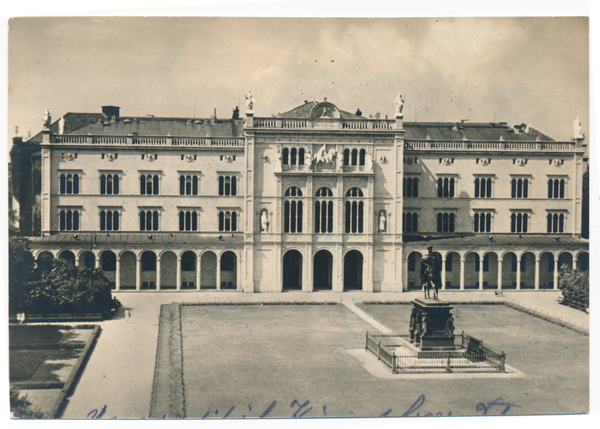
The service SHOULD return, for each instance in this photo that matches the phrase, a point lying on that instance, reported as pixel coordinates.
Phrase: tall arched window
(68, 220)
(109, 220)
(188, 184)
(285, 156)
(446, 187)
(519, 222)
(188, 220)
(228, 221)
(556, 222)
(519, 188)
(556, 188)
(227, 185)
(482, 222)
(293, 157)
(361, 160)
(346, 157)
(354, 211)
(149, 184)
(69, 183)
(483, 188)
(293, 211)
(445, 222)
(411, 187)
(324, 211)
(354, 156)
(410, 222)
(149, 220)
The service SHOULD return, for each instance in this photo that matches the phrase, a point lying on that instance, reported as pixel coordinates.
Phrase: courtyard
(290, 361)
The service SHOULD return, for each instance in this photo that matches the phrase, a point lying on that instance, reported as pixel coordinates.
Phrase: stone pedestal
(430, 330)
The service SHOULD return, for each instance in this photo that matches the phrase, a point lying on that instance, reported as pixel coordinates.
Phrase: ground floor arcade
(465, 264)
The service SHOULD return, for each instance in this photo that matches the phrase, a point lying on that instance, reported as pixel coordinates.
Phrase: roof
(472, 131)
(188, 127)
(471, 240)
(137, 239)
(303, 111)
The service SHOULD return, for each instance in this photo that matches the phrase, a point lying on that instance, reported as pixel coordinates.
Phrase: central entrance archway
(323, 270)
(292, 270)
(353, 270)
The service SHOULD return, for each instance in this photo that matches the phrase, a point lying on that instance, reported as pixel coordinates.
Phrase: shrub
(20, 406)
(575, 287)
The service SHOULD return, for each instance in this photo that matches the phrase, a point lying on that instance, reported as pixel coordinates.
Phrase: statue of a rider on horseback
(430, 273)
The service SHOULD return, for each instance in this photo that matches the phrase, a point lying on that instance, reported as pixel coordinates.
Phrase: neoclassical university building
(312, 199)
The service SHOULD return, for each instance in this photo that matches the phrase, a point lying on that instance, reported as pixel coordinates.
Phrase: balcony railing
(487, 145)
(347, 124)
(149, 140)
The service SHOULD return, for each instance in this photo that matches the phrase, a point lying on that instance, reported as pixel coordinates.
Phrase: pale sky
(530, 70)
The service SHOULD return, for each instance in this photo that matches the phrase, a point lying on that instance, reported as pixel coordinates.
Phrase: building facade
(316, 198)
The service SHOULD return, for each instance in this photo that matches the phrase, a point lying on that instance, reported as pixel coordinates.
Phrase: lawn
(291, 361)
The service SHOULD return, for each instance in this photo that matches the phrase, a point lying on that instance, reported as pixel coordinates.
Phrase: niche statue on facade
(382, 222)
(264, 221)
(340, 162)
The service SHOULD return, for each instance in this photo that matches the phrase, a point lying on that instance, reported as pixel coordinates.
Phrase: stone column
(198, 265)
(481, 273)
(537, 273)
(574, 262)
(555, 272)
(178, 274)
(462, 273)
(218, 272)
(499, 273)
(307, 266)
(444, 273)
(77, 262)
(158, 272)
(118, 273)
(138, 272)
(518, 273)
(238, 273)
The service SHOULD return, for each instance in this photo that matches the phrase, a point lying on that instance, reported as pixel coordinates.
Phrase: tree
(65, 288)
(575, 287)
(20, 272)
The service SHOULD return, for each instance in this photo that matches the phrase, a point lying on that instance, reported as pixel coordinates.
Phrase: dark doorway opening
(323, 268)
(353, 270)
(292, 270)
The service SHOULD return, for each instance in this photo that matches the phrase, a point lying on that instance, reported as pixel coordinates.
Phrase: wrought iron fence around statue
(471, 356)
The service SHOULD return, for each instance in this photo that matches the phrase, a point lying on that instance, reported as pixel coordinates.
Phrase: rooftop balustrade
(149, 140)
(487, 145)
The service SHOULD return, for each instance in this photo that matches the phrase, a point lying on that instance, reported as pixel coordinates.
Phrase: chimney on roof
(109, 111)
(213, 118)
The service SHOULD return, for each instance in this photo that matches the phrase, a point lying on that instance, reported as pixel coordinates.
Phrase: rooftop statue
(47, 119)
(249, 102)
(577, 129)
(399, 105)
